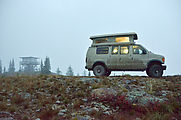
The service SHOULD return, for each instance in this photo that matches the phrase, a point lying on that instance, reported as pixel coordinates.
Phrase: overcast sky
(60, 29)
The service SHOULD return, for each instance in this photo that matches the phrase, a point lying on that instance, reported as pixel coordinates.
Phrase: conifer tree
(11, 68)
(46, 67)
(70, 71)
(58, 71)
(4, 70)
(41, 67)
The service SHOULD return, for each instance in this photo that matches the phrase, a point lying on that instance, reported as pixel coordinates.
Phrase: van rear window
(102, 50)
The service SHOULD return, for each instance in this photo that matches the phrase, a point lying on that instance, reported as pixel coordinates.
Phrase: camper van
(119, 52)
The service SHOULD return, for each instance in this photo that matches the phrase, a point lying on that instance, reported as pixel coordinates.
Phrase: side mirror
(144, 52)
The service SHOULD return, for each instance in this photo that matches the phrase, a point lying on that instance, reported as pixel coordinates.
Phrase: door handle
(119, 59)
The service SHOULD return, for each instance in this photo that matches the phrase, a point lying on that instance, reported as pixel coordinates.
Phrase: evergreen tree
(11, 68)
(47, 67)
(41, 67)
(0, 67)
(70, 71)
(4, 70)
(58, 71)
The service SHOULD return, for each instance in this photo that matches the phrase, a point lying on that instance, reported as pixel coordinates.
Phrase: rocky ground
(90, 98)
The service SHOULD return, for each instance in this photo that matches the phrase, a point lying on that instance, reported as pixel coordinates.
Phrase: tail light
(163, 60)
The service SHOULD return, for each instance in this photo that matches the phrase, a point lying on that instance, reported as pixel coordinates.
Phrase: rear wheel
(147, 71)
(155, 71)
(99, 70)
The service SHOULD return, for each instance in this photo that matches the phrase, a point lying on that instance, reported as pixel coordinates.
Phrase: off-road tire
(147, 71)
(99, 70)
(108, 72)
(155, 71)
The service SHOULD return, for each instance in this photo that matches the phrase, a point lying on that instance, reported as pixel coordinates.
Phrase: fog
(60, 29)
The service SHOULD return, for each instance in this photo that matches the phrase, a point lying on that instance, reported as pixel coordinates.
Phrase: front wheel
(155, 71)
(108, 72)
(99, 70)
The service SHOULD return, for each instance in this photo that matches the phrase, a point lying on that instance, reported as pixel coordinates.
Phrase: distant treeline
(30, 66)
(27, 67)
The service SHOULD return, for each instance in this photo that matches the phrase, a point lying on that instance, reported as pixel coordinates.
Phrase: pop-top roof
(135, 37)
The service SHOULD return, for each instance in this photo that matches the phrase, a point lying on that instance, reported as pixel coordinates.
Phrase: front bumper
(164, 67)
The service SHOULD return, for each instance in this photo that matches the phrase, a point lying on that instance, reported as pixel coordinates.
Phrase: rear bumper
(164, 67)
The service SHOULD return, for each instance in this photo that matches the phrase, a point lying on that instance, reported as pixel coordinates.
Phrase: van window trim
(102, 53)
(142, 48)
(128, 46)
(112, 49)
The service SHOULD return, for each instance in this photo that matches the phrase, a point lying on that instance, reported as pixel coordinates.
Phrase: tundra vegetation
(56, 97)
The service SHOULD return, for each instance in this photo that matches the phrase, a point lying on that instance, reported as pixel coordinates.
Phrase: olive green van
(119, 52)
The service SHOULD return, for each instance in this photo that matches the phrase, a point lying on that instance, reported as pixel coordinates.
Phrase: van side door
(113, 57)
(139, 57)
(124, 60)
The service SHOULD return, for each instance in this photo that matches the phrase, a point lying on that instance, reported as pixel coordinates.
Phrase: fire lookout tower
(29, 65)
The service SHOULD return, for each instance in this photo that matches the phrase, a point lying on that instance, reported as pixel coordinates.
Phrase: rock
(127, 87)
(63, 111)
(140, 97)
(104, 108)
(128, 81)
(58, 102)
(104, 92)
(8, 104)
(107, 112)
(90, 80)
(138, 118)
(86, 117)
(37, 119)
(93, 109)
(85, 100)
(38, 110)
(96, 109)
(6, 116)
(173, 118)
(27, 95)
(60, 114)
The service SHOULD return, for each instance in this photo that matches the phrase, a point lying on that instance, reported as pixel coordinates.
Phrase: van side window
(124, 50)
(102, 50)
(138, 50)
(114, 49)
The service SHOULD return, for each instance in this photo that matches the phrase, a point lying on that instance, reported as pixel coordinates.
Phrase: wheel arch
(151, 62)
(99, 63)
